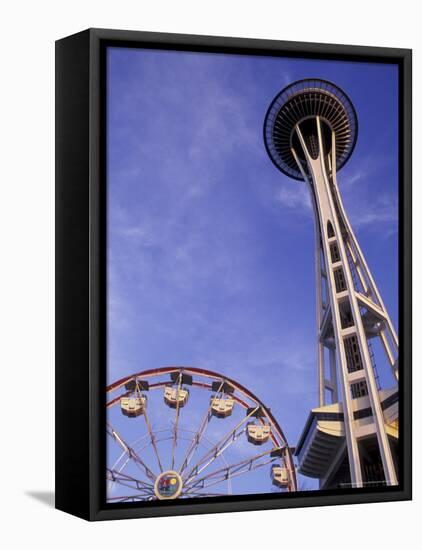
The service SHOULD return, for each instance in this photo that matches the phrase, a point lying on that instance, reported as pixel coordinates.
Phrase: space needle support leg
(320, 346)
(369, 375)
(319, 312)
(354, 328)
(368, 283)
(363, 266)
(313, 122)
(325, 215)
(320, 305)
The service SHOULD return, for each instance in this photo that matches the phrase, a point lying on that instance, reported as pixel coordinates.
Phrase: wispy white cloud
(366, 208)
(379, 212)
(294, 195)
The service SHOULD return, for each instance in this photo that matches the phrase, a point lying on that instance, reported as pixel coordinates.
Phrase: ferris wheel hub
(168, 485)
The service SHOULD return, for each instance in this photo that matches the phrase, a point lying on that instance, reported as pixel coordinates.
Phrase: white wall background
(27, 37)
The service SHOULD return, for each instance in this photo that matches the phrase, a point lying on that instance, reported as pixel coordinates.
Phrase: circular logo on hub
(168, 485)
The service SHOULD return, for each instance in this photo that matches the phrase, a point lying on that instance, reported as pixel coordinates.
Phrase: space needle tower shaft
(310, 132)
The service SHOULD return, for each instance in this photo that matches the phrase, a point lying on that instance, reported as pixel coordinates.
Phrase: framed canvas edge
(72, 235)
(95, 375)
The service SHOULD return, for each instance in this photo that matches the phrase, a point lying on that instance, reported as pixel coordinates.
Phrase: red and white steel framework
(203, 470)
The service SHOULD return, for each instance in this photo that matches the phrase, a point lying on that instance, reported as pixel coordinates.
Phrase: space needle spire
(310, 131)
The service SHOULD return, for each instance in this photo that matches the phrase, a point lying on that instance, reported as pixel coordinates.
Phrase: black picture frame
(81, 282)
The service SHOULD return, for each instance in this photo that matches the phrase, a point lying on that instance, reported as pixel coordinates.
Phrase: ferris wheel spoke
(231, 471)
(195, 442)
(206, 484)
(217, 454)
(150, 432)
(128, 481)
(130, 498)
(153, 440)
(198, 435)
(131, 453)
(176, 423)
(219, 447)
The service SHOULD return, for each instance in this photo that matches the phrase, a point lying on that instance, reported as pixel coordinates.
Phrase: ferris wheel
(184, 432)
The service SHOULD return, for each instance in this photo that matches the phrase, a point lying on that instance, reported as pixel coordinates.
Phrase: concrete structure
(310, 132)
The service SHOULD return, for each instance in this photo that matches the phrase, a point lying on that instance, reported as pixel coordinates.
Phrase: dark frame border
(81, 274)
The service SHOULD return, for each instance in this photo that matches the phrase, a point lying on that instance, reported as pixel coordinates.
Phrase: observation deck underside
(322, 442)
(302, 100)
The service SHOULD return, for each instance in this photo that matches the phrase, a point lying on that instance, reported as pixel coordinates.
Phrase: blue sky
(210, 248)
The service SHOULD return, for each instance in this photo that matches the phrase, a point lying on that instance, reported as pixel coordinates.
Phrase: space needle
(351, 438)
